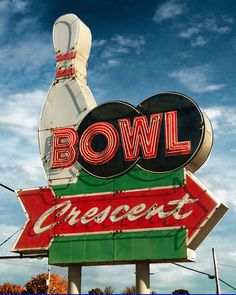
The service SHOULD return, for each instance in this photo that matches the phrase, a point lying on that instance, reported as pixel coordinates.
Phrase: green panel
(151, 245)
(162, 245)
(86, 248)
(136, 178)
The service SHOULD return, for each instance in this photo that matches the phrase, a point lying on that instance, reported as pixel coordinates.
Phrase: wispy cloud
(19, 113)
(19, 117)
(25, 50)
(200, 41)
(98, 43)
(223, 119)
(31, 58)
(169, 10)
(197, 79)
(121, 45)
(8, 10)
(20, 6)
(208, 24)
(201, 29)
(134, 42)
(114, 50)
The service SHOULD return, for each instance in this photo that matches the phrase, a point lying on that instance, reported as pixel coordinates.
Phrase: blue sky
(139, 48)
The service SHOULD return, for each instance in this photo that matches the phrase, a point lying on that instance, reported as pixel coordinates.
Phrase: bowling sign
(165, 132)
(69, 98)
(190, 206)
(119, 175)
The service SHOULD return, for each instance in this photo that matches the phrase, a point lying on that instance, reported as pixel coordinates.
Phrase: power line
(195, 270)
(7, 187)
(224, 282)
(24, 264)
(11, 236)
(227, 265)
(204, 273)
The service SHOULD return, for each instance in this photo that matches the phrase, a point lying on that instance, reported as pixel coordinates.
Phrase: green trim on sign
(136, 178)
(124, 247)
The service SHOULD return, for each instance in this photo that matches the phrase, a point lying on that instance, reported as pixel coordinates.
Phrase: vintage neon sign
(86, 151)
(170, 134)
(189, 206)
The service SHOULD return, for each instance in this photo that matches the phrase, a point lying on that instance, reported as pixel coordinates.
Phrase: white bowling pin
(69, 98)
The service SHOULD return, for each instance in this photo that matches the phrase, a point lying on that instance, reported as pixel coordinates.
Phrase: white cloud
(99, 43)
(168, 273)
(197, 79)
(24, 48)
(115, 50)
(19, 113)
(19, 117)
(32, 53)
(218, 173)
(113, 62)
(8, 8)
(211, 25)
(189, 32)
(200, 41)
(16, 271)
(136, 42)
(122, 45)
(228, 19)
(25, 23)
(223, 119)
(206, 25)
(20, 6)
(203, 29)
(169, 10)
(111, 52)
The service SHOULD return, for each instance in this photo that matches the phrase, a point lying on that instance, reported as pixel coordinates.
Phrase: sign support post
(74, 278)
(216, 272)
(142, 278)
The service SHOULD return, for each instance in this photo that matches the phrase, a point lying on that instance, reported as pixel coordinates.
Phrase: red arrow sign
(188, 206)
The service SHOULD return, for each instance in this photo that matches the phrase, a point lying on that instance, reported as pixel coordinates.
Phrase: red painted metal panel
(161, 208)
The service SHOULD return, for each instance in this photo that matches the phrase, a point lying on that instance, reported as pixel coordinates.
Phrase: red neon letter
(112, 136)
(173, 146)
(64, 151)
(140, 136)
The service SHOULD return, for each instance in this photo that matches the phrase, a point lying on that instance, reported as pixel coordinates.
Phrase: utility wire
(11, 236)
(204, 273)
(224, 282)
(7, 187)
(227, 265)
(11, 190)
(198, 271)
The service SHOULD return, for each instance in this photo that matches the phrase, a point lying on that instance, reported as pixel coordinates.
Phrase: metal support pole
(216, 272)
(48, 280)
(74, 279)
(142, 278)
